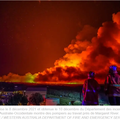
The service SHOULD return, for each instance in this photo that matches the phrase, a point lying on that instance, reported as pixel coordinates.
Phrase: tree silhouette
(36, 99)
(17, 98)
(24, 100)
(1, 103)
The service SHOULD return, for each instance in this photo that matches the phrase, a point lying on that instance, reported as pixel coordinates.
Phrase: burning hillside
(92, 50)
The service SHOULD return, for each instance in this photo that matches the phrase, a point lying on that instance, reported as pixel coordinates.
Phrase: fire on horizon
(91, 50)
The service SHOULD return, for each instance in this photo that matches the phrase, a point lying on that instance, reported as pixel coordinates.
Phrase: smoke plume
(92, 50)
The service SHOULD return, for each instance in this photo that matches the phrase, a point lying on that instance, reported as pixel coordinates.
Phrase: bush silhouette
(36, 99)
(17, 98)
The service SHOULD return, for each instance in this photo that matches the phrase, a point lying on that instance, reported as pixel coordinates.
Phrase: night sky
(33, 35)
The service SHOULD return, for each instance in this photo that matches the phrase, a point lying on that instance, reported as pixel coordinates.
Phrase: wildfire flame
(92, 50)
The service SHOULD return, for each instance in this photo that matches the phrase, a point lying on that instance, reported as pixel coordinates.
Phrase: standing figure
(112, 86)
(90, 90)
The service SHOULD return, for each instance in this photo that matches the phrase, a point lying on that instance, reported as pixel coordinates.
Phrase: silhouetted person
(90, 90)
(112, 86)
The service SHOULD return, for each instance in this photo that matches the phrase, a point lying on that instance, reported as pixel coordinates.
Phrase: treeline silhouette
(21, 99)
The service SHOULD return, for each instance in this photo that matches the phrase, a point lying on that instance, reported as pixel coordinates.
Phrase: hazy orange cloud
(92, 50)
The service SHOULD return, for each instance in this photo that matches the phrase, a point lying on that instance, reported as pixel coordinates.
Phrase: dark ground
(74, 93)
(66, 93)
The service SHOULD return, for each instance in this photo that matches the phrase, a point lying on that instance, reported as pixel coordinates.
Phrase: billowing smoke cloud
(27, 78)
(92, 50)
(61, 75)
(76, 51)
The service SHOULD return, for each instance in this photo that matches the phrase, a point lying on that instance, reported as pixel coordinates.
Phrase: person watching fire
(90, 90)
(112, 86)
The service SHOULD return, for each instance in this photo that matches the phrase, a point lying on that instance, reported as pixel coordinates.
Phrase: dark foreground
(66, 93)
